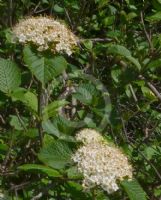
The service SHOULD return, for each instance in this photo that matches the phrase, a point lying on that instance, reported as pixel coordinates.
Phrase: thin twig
(42, 10)
(153, 89)
(124, 129)
(69, 19)
(146, 33)
(20, 186)
(2, 120)
(36, 7)
(133, 93)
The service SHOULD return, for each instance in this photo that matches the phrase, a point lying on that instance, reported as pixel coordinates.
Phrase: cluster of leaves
(112, 84)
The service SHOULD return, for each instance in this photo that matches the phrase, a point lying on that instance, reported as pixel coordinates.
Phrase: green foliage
(26, 97)
(110, 83)
(55, 153)
(52, 109)
(10, 76)
(122, 51)
(43, 169)
(44, 68)
(134, 190)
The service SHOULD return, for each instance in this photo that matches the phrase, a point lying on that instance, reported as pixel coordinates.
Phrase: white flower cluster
(89, 136)
(100, 163)
(45, 33)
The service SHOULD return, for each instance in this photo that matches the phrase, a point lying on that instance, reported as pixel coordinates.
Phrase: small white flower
(88, 136)
(100, 163)
(22, 38)
(45, 33)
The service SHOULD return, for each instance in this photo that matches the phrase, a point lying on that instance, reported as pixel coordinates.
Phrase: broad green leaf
(44, 67)
(40, 168)
(49, 128)
(109, 20)
(154, 18)
(150, 151)
(154, 64)
(156, 4)
(134, 61)
(73, 173)
(55, 154)
(131, 16)
(120, 50)
(61, 128)
(64, 125)
(31, 133)
(18, 124)
(88, 44)
(76, 191)
(116, 73)
(148, 93)
(123, 51)
(85, 93)
(26, 97)
(10, 77)
(134, 190)
(52, 109)
(30, 100)
(58, 9)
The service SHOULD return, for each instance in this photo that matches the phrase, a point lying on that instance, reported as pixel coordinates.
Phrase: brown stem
(146, 33)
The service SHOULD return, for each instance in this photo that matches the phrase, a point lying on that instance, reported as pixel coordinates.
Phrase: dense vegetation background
(112, 84)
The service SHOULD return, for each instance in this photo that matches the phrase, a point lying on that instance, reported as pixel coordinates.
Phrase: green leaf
(3, 148)
(49, 127)
(85, 93)
(88, 44)
(26, 97)
(76, 191)
(73, 173)
(148, 93)
(17, 124)
(10, 77)
(154, 64)
(52, 109)
(120, 50)
(134, 190)
(55, 154)
(44, 67)
(156, 4)
(42, 169)
(58, 9)
(30, 100)
(154, 18)
(116, 73)
(31, 133)
(123, 51)
(61, 128)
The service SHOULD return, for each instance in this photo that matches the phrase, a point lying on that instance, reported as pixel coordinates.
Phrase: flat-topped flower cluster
(101, 164)
(45, 33)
